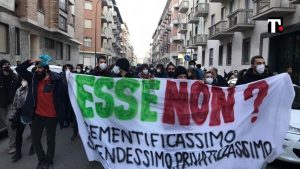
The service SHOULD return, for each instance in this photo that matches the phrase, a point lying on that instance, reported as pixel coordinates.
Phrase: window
(59, 51)
(87, 42)
(231, 5)
(213, 19)
(62, 23)
(246, 52)
(229, 53)
(87, 23)
(222, 13)
(17, 41)
(195, 56)
(203, 57)
(68, 52)
(211, 56)
(49, 43)
(40, 5)
(63, 5)
(220, 55)
(88, 5)
(4, 38)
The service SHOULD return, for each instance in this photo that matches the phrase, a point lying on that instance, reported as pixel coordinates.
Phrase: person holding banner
(181, 73)
(49, 93)
(170, 70)
(256, 72)
(145, 74)
(101, 69)
(121, 68)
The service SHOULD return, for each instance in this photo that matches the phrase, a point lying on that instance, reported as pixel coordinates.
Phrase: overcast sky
(142, 18)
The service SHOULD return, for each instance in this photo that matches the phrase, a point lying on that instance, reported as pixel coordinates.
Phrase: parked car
(53, 68)
(291, 145)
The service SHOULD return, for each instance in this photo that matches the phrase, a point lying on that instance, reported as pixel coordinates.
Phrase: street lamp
(96, 31)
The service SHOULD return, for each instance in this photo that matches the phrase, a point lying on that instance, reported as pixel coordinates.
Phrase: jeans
(38, 125)
(11, 133)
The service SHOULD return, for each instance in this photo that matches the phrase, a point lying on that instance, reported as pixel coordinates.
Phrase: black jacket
(220, 81)
(8, 84)
(251, 77)
(98, 72)
(59, 92)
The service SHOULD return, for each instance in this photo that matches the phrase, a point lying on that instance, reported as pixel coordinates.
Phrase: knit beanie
(123, 64)
(180, 70)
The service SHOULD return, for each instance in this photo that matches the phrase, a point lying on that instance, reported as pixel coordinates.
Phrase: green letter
(106, 111)
(121, 85)
(83, 96)
(147, 99)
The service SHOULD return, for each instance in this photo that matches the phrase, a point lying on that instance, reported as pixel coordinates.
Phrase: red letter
(219, 103)
(179, 101)
(263, 87)
(199, 114)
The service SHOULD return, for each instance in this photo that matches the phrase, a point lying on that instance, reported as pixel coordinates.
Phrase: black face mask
(171, 74)
(41, 76)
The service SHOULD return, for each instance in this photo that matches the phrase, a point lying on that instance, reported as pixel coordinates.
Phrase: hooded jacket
(59, 92)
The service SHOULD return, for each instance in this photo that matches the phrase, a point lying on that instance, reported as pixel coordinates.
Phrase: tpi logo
(275, 25)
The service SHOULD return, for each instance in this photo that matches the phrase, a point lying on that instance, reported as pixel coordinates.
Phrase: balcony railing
(263, 9)
(177, 38)
(217, 31)
(192, 18)
(295, 1)
(200, 40)
(241, 20)
(201, 10)
(182, 28)
(184, 6)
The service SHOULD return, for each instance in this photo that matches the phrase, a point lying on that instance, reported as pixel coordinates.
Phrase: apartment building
(29, 28)
(102, 32)
(127, 49)
(227, 33)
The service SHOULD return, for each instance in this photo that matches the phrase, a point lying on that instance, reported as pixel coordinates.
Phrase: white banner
(166, 123)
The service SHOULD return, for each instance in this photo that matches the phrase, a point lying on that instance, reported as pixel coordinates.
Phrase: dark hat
(2, 62)
(144, 66)
(123, 64)
(180, 70)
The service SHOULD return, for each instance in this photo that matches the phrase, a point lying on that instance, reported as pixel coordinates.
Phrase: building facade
(29, 28)
(102, 32)
(226, 33)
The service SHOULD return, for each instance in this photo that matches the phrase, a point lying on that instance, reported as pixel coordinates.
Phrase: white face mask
(116, 70)
(192, 66)
(158, 70)
(260, 69)
(103, 66)
(209, 80)
(87, 71)
(78, 70)
(24, 83)
(145, 71)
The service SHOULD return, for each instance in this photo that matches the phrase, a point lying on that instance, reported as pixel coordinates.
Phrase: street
(70, 155)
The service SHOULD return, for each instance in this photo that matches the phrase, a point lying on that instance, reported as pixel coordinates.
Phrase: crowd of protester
(39, 98)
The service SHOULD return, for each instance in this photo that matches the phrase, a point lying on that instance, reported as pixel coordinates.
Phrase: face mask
(103, 66)
(41, 76)
(145, 71)
(24, 83)
(209, 80)
(78, 70)
(87, 71)
(116, 70)
(260, 69)
(158, 70)
(192, 66)
(152, 68)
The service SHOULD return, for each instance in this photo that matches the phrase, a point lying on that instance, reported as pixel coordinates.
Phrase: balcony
(263, 9)
(201, 10)
(192, 18)
(105, 2)
(184, 6)
(240, 20)
(190, 44)
(114, 27)
(181, 49)
(176, 21)
(217, 31)
(176, 6)
(177, 39)
(182, 28)
(104, 18)
(295, 1)
(200, 40)
(103, 35)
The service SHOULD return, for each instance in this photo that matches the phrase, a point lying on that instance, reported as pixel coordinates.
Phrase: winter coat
(251, 77)
(59, 92)
(18, 103)
(14, 83)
